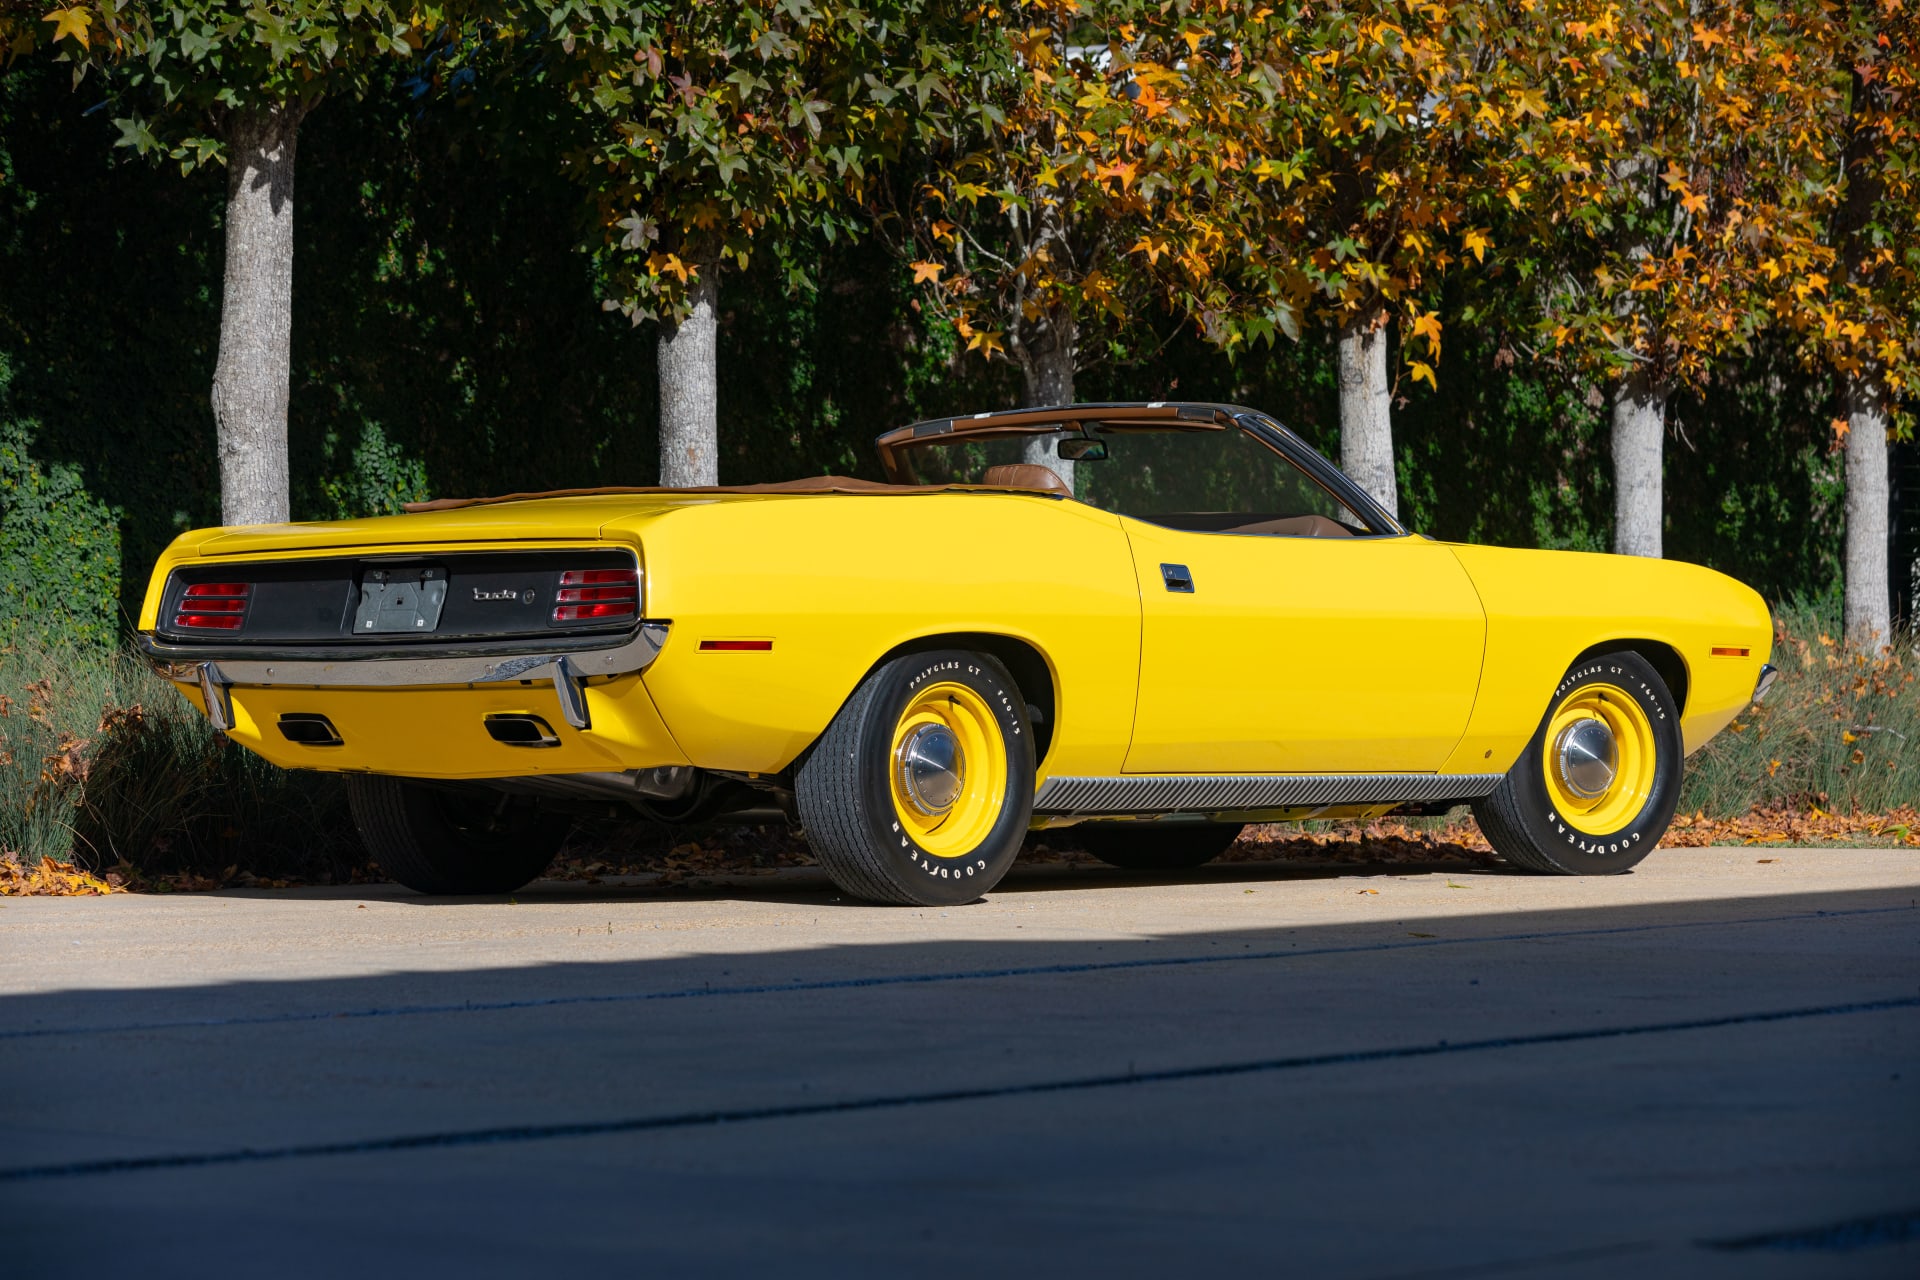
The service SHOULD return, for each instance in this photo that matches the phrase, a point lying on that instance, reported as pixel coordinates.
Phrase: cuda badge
(505, 593)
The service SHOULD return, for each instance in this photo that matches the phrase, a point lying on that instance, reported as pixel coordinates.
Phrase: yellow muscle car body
(1166, 670)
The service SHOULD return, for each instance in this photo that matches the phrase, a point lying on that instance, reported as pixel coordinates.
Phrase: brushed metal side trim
(1201, 793)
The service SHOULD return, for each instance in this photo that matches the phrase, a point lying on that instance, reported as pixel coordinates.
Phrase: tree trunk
(689, 389)
(1639, 437)
(256, 318)
(1366, 424)
(1048, 372)
(1868, 616)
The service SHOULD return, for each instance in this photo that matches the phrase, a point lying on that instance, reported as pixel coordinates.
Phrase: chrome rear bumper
(568, 670)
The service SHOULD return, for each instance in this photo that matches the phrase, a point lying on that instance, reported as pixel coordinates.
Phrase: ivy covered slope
(59, 546)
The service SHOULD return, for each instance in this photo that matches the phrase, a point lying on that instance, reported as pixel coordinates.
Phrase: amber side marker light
(213, 606)
(1728, 651)
(735, 646)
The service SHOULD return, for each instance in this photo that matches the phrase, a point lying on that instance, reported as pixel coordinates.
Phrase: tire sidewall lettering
(1621, 848)
(959, 878)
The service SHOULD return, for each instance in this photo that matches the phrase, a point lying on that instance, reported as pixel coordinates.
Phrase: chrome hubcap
(932, 768)
(1587, 758)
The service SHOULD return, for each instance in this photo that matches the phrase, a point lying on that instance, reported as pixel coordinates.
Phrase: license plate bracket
(400, 601)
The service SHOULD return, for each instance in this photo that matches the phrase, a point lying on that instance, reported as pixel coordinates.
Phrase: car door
(1286, 654)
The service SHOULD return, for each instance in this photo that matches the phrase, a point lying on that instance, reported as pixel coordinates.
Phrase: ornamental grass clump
(51, 698)
(105, 766)
(1839, 731)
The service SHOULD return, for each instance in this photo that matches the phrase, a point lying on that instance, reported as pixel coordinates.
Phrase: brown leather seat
(1026, 475)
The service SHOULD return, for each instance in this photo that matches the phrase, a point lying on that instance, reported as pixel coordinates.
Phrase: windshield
(1212, 479)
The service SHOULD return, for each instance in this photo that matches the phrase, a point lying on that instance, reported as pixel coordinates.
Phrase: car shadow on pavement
(1397, 1093)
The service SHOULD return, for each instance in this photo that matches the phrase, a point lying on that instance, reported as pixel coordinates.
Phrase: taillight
(593, 595)
(213, 606)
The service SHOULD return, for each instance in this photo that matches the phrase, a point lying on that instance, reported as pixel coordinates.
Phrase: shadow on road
(1461, 1094)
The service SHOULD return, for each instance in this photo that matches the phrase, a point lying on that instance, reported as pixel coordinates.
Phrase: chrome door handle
(1177, 578)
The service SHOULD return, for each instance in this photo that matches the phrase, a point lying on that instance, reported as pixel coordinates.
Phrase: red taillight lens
(574, 595)
(213, 606)
(590, 595)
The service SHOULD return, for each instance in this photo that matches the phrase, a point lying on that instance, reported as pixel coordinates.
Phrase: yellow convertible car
(1155, 621)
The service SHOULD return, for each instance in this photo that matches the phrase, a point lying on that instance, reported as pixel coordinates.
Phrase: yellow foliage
(52, 879)
(70, 22)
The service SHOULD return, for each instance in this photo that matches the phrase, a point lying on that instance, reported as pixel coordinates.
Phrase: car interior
(1199, 480)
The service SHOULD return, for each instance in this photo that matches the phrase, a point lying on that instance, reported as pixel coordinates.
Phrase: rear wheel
(1596, 787)
(445, 841)
(921, 789)
(1156, 846)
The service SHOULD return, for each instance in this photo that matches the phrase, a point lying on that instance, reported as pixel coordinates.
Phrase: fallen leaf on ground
(52, 879)
(1783, 825)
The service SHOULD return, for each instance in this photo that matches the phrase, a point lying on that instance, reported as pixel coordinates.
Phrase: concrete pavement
(1708, 1067)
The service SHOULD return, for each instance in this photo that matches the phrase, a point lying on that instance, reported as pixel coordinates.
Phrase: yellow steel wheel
(921, 789)
(1601, 759)
(948, 769)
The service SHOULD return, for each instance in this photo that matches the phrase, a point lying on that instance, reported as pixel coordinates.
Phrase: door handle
(1177, 578)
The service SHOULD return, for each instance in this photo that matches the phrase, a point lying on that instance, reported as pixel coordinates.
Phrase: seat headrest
(1026, 475)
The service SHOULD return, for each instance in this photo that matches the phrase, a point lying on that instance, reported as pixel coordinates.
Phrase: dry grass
(1838, 733)
(103, 765)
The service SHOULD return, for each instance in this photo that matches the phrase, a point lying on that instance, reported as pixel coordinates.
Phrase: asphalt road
(1710, 1067)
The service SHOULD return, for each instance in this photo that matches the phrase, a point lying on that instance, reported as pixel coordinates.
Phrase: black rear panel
(486, 596)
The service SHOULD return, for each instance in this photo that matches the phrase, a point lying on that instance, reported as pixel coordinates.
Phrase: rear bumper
(318, 668)
(216, 670)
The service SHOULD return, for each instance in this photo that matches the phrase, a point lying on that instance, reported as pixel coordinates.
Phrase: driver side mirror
(1081, 449)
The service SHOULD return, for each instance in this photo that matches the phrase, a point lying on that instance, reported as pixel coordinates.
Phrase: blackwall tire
(1539, 817)
(440, 841)
(1156, 846)
(870, 791)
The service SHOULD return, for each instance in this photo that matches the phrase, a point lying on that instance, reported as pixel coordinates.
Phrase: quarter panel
(835, 582)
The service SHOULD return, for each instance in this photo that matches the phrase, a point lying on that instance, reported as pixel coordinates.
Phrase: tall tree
(1374, 127)
(230, 81)
(1671, 196)
(1864, 322)
(718, 131)
(1068, 160)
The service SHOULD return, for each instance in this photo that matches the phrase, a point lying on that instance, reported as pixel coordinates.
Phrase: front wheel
(445, 841)
(1596, 787)
(921, 789)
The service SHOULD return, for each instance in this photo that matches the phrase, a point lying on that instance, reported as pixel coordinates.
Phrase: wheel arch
(1024, 660)
(1661, 656)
